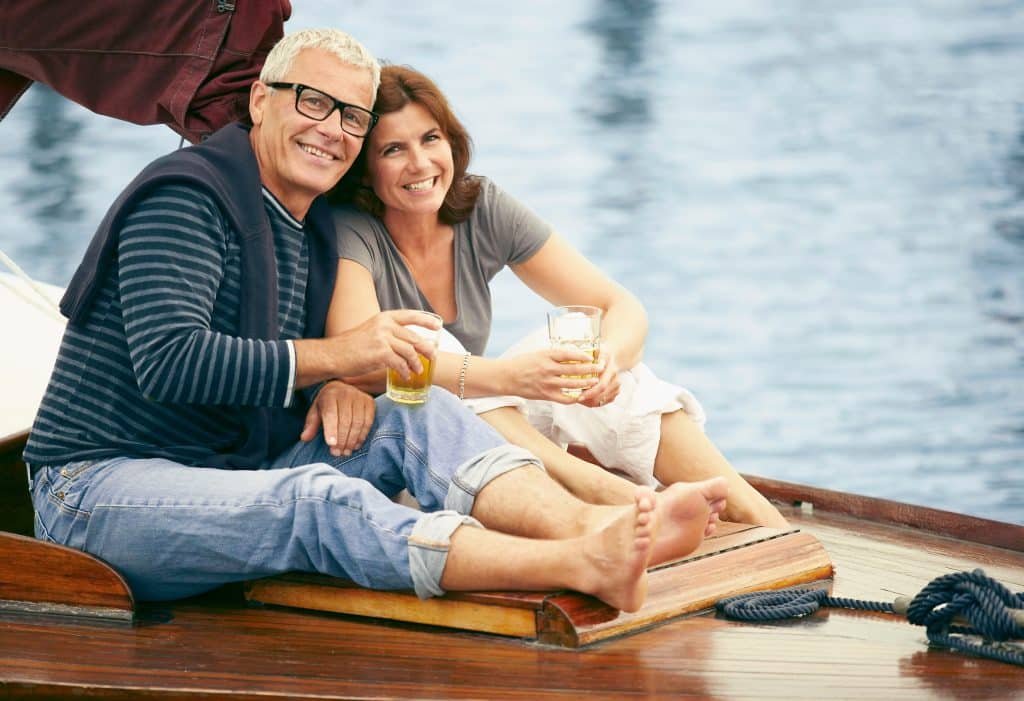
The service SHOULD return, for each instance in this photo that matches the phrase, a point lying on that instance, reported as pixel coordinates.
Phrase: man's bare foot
(615, 557)
(687, 513)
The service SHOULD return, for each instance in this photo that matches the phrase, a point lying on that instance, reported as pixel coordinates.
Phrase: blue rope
(984, 603)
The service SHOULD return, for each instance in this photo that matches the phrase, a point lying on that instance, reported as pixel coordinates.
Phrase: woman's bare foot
(687, 512)
(615, 557)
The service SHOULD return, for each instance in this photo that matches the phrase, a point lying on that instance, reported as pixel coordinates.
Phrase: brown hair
(400, 86)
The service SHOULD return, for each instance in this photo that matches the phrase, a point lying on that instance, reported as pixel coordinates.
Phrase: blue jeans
(174, 530)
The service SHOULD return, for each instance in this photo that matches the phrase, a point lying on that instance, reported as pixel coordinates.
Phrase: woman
(424, 234)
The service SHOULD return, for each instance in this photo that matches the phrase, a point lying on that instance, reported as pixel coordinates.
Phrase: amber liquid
(415, 389)
(590, 347)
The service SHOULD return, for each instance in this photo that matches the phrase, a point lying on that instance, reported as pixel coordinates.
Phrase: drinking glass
(415, 389)
(576, 327)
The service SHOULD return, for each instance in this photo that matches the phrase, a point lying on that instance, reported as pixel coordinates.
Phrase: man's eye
(315, 103)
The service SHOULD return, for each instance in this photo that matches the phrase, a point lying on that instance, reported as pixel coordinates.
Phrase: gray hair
(334, 41)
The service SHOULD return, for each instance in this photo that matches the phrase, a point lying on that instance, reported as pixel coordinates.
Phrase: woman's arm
(354, 301)
(535, 376)
(562, 275)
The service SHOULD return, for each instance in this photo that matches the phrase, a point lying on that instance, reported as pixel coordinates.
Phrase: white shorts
(623, 435)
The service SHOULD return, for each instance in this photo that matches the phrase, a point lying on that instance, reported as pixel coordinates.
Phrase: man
(166, 441)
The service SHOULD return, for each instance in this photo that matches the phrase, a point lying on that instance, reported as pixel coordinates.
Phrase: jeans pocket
(69, 484)
(58, 496)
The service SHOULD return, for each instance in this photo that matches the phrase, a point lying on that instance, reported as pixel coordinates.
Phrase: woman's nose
(418, 157)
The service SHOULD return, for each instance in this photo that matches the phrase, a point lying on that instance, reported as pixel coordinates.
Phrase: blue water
(820, 204)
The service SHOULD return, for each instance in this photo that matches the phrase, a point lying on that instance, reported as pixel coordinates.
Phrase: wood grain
(215, 647)
(740, 559)
(953, 525)
(43, 577)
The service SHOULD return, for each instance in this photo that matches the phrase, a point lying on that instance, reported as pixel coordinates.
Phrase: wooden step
(738, 558)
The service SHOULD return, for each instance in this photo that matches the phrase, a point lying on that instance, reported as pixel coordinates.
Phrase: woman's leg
(686, 454)
(585, 480)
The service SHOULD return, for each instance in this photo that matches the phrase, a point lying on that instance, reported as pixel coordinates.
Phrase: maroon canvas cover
(184, 63)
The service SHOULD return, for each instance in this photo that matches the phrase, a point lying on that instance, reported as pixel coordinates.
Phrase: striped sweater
(158, 365)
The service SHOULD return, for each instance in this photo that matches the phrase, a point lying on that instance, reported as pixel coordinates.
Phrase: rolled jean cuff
(477, 472)
(428, 549)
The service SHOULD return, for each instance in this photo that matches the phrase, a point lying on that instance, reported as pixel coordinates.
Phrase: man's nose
(331, 127)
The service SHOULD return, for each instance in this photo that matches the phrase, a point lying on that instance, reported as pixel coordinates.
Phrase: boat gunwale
(965, 527)
(951, 524)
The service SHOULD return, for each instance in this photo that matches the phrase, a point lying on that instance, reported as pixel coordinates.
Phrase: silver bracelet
(462, 376)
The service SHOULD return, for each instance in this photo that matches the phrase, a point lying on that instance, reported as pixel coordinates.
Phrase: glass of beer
(578, 328)
(415, 389)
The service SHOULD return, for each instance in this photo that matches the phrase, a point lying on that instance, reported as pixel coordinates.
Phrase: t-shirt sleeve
(515, 231)
(357, 239)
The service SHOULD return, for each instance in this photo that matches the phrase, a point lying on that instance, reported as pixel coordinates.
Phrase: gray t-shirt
(499, 232)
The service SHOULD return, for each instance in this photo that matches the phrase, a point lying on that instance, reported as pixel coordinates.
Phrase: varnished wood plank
(399, 606)
(695, 585)
(49, 578)
(962, 526)
(225, 650)
(742, 558)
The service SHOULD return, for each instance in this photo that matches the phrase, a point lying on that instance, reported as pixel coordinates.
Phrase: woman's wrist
(463, 371)
(503, 376)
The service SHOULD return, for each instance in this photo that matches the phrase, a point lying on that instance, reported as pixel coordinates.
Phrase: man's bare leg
(609, 563)
(528, 503)
(589, 482)
(686, 454)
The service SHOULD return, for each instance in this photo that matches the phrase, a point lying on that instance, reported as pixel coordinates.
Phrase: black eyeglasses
(310, 102)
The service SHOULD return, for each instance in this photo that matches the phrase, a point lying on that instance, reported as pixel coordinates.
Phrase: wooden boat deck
(218, 647)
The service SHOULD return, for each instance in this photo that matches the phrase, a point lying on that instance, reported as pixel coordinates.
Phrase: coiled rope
(992, 612)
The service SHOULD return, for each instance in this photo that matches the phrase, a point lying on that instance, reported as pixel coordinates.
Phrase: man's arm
(173, 267)
(380, 341)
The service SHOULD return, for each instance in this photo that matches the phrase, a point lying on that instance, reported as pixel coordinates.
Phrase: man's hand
(383, 341)
(346, 415)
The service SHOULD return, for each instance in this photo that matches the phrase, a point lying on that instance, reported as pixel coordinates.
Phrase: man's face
(300, 158)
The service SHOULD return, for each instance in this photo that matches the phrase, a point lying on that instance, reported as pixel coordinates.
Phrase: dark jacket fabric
(184, 63)
(225, 166)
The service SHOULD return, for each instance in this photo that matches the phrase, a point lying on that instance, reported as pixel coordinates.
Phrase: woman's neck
(412, 232)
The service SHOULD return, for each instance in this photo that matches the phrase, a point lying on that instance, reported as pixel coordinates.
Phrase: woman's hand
(545, 373)
(346, 414)
(608, 386)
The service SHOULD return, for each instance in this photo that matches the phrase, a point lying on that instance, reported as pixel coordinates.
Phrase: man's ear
(258, 95)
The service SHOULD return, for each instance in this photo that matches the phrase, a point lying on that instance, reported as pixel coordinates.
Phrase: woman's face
(409, 161)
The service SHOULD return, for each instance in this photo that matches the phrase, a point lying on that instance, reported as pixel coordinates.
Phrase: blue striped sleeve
(182, 337)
